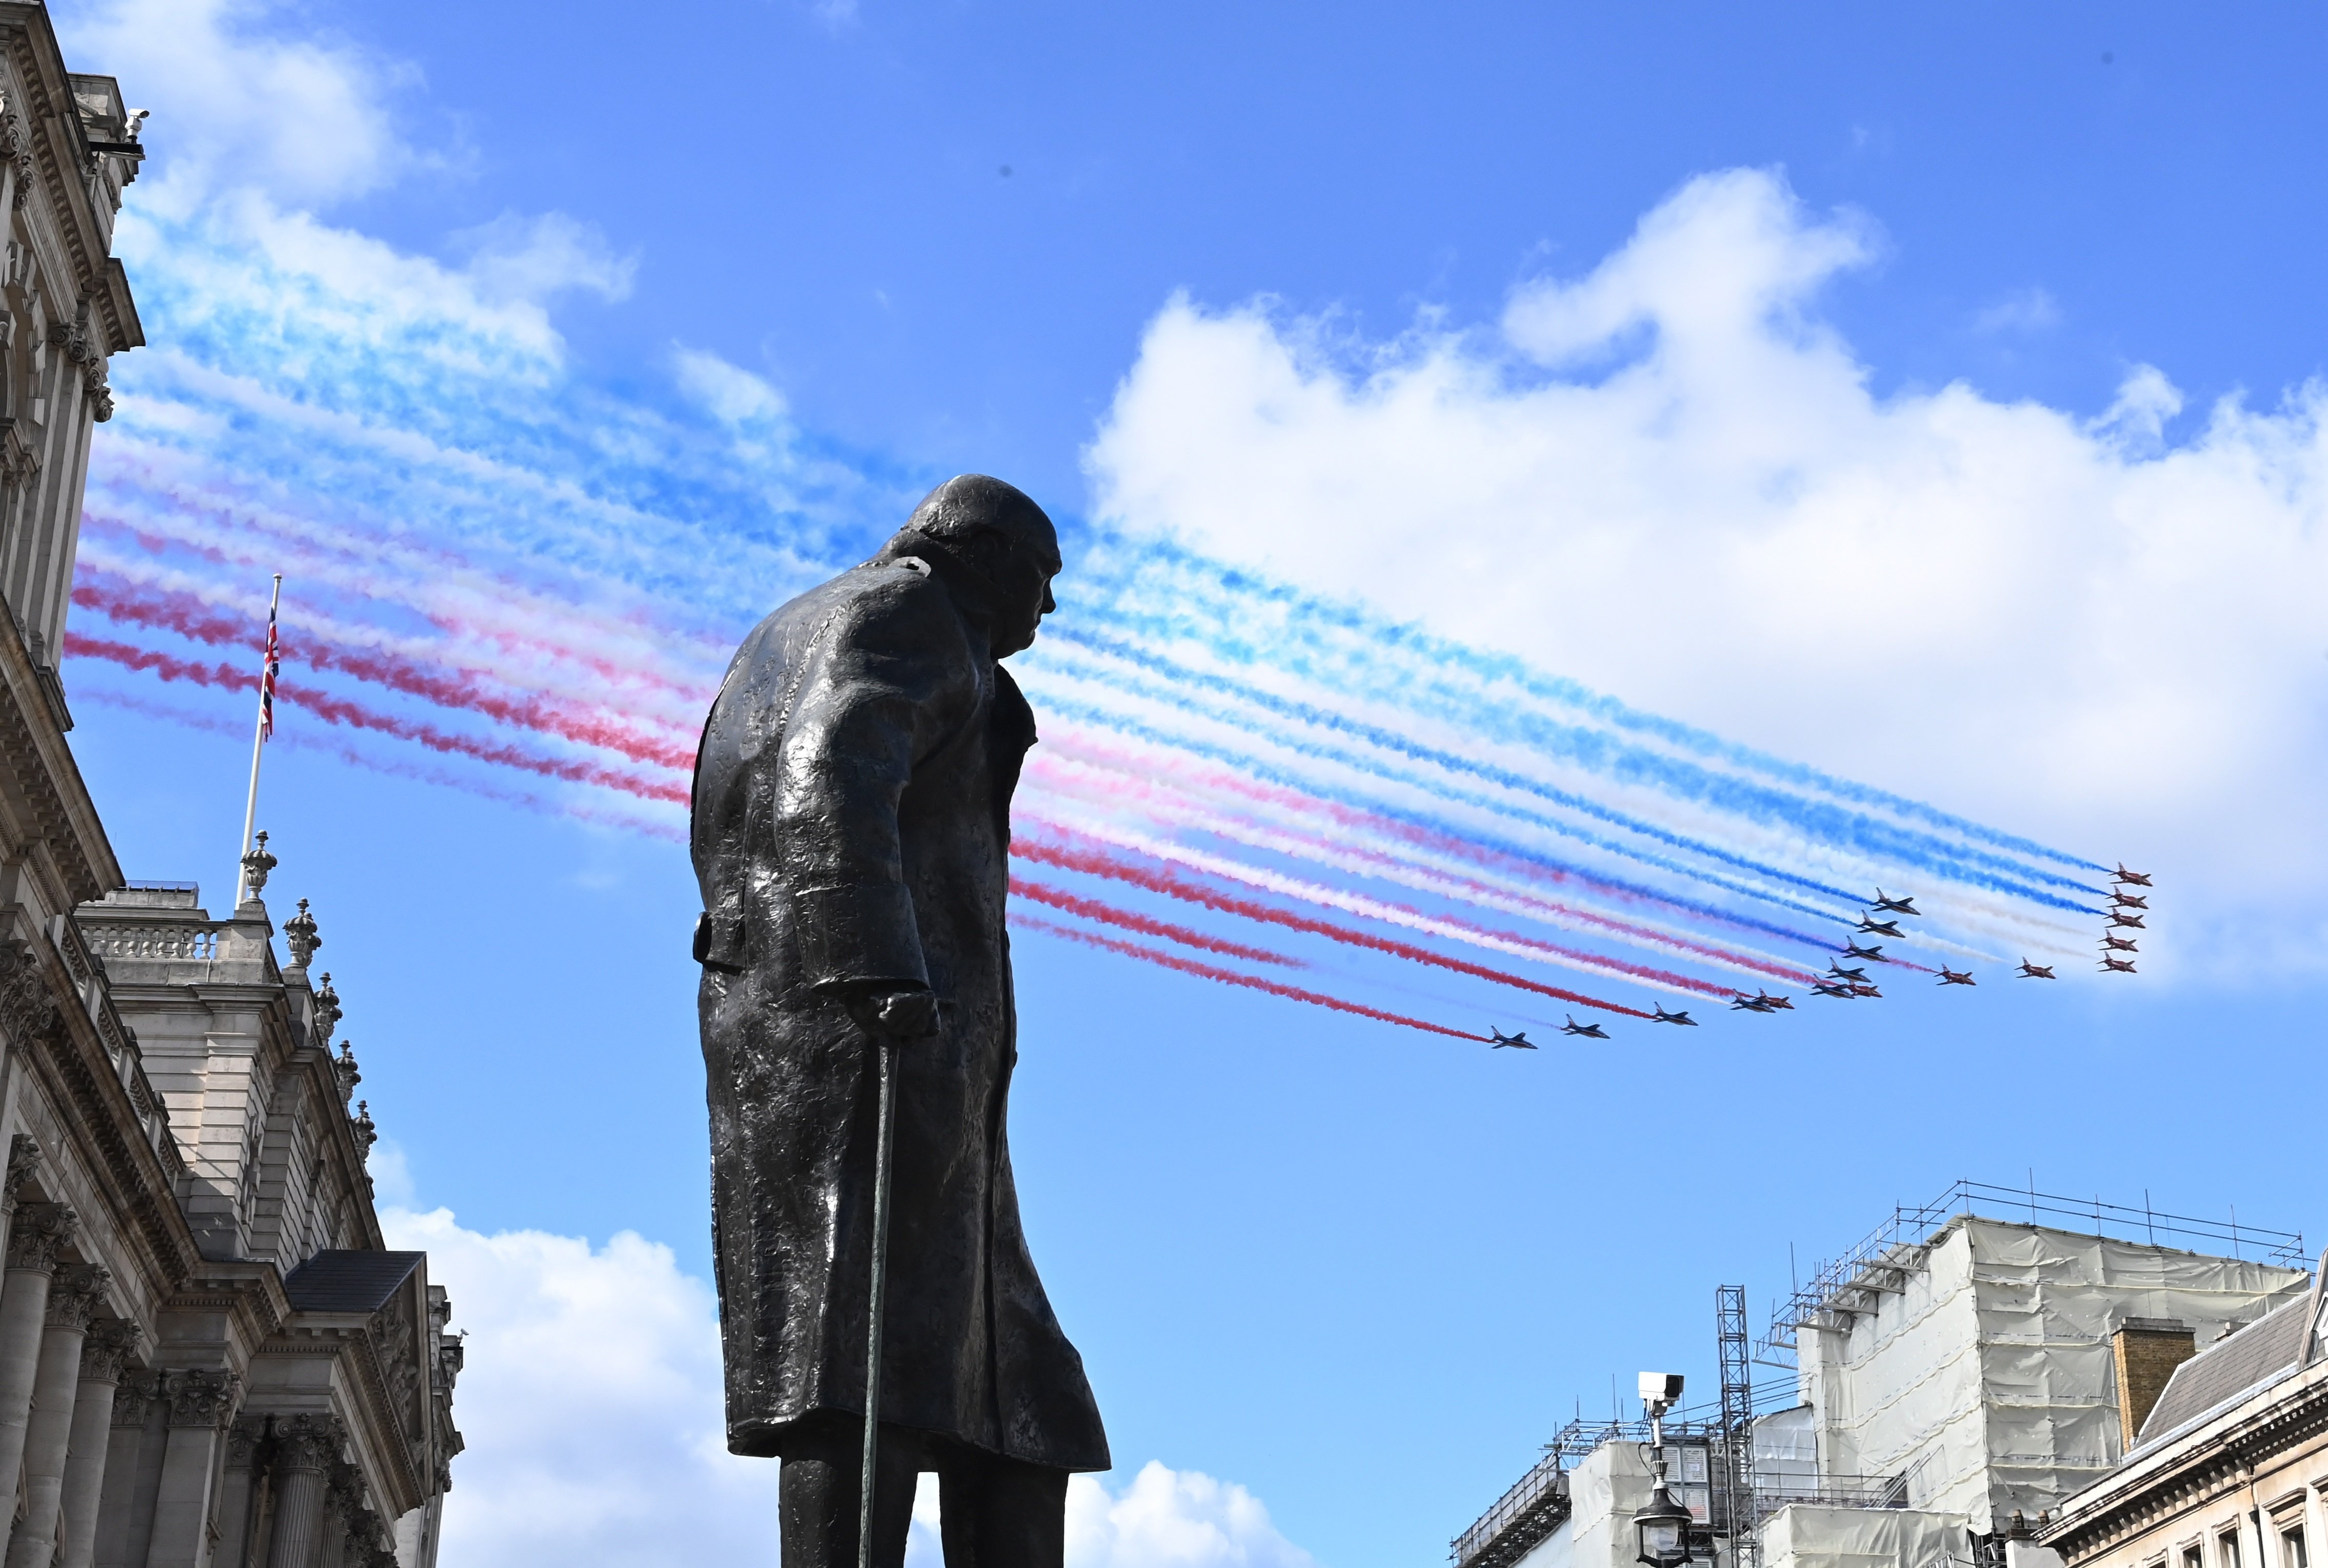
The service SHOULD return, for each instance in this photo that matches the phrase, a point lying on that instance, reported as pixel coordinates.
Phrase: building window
(2295, 1555)
(2227, 1550)
(2193, 1557)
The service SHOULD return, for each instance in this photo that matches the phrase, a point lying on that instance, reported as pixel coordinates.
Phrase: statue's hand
(895, 1015)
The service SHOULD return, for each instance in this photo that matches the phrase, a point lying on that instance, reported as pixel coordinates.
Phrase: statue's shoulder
(899, 604)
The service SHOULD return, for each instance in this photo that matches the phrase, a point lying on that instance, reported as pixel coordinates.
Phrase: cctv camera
(1660, 1388)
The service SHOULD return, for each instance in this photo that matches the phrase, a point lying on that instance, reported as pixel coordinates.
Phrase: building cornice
(2212, 1459)
(60, 155)
(53, 1031)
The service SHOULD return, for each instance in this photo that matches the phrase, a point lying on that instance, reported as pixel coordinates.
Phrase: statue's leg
(998, 1513)
(816, 1493)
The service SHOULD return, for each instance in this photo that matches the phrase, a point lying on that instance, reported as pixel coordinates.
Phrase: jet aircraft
(1853, 950)
(1871, 926)
(1825, 987)
(1590, 1031)
(2126, 900)
(1676, 1017)
(2120, 945)
(2137, 877)
(1776, 1001)
(2035, 971)
(1518, 1042)
(1865, 991)
(2121, 965)
(2120, 917)
(1956, 977)
(1856, 976)
(1753, 1004)
(1906, 906)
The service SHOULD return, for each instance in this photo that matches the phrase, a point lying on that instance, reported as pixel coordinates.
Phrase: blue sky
(1922, 399)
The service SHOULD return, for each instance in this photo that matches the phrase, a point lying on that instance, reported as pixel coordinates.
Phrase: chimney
(2146, 1350)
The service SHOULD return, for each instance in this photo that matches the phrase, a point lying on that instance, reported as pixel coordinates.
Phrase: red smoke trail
(339, 710)
(441, 778)
(189, 616)
(1231, 976)
(1143, 781)
(1100, 864)
(1108, 914)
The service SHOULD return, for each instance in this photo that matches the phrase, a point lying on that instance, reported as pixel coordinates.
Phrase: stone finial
(254, 868)
(344, 1065)
(366, 1133)
(25, 1158)
(201, 1398)
(299, 931)
(110, 1343)
(40, 1230)
(327, 1011)
(75, 1297)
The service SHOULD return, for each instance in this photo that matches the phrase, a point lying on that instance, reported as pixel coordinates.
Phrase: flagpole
(258, 745)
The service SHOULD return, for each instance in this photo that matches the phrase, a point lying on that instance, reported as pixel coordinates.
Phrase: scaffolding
(1878, 1265)
(1736, 1453)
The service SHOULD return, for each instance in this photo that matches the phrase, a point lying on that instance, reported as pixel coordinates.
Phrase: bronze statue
(851, 834)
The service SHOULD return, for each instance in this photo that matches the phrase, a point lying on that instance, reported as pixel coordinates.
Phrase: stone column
(303, 1447)
(200, 1403)
(234, 1502)
(118, 1545)
(40, 1229)
(24, 1159)
(74, 1299)
(102, 1355)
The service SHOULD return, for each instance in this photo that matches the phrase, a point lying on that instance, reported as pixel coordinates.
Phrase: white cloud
(237, 101)
(1670, 478)
(2024, 311)
(591, 1406)
(515, 257)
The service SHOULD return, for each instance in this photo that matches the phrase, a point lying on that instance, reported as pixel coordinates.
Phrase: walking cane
(881, 1139)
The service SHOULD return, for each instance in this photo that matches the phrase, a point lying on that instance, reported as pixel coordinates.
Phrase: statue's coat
(852, 832)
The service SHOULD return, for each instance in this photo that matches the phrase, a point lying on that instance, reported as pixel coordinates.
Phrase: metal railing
(1896, 1246)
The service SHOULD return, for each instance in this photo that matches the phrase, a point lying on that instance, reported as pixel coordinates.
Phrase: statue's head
(996, 547)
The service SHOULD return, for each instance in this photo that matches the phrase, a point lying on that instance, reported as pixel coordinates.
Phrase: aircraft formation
(1881, 917)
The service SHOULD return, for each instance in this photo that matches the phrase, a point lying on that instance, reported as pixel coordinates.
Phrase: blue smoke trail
(1178, 676)
(1369, 671)
(1256, 767)
(1123, 723)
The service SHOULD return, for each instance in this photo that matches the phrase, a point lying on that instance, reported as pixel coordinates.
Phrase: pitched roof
(349, 1281)
(2230, 1368)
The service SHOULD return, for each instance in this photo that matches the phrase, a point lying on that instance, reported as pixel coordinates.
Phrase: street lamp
(1661, 1530)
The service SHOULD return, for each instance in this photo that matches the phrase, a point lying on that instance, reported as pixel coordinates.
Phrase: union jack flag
(267, 679)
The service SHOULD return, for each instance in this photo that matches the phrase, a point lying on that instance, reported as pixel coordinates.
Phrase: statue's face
(1024, 585)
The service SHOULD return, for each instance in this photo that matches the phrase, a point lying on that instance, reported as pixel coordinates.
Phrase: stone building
(2231, 1464)
(206, 1354)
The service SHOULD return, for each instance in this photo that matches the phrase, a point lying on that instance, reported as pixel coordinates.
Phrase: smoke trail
(1119, 869)
(1108, 914)
(1521, 869)
(1186, 811)
(1297, 650)
(1231, 976)
(341, 711)
(1857, 834)
(1141, 729)
(189, 616)
(340, 751)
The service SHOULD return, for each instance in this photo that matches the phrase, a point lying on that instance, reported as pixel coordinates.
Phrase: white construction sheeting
(1982, 1378)
(1811, 1535)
